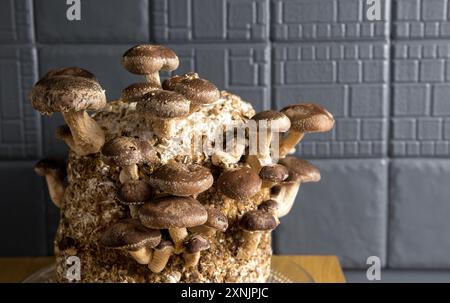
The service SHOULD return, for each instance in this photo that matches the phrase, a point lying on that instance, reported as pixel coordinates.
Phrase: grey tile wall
(387, 82)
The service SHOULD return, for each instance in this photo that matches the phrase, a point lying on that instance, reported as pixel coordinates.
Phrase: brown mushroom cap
(130, 234)
(216, 219)
(195, 89)
(195, 243)
(274, 173)
(147, 58)
(70, 71)
(309, 117)
(135, 192)
(67, 93)
(268, 206)
(258, 220)
(51, 166)
(238, 184)
(124, 151)
(164, 104)
(300, 170)
(275, 120)
(135, 91)
(173, 212)
(181, 179)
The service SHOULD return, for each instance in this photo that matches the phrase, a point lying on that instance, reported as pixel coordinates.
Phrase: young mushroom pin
(164, 109)
(161, 255)
(149, 60)
(305, 118)
(72, 96)
(127, 153)
(180, 179)
(254, 224)
(54, 172)
(193, 246)
(134, 193)
(300, 171)
(197, 90)
(175, 214)
(132, 236)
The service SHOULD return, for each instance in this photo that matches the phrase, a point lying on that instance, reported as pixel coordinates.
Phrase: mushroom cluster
(170, 212)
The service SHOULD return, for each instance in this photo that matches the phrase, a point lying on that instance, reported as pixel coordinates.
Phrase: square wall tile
(16, 21)
(419, 212)
(210, 20)
(329, 20)
(350, 80)
(344, 214)
(101, 21)
(22, 210)
(20, 127)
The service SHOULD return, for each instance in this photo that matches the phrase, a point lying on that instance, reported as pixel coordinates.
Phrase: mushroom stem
(160, 259)
(286, 198)
(134, 211)
(153, 78)
(86, 133)
(164, 127)
(254, 163)
(288, 143)
(191, 260)
(204, 230)
(178, 235)
(56, 189)
(251, 242)
(143, 255)
(129, 172)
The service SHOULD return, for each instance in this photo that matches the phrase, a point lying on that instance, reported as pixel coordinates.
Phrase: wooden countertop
(323, 269)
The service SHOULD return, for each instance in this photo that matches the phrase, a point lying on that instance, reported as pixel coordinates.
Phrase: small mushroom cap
(130, 234)
(70, 71)
(147, 59)
(135, 91)
(195, 89)
(135, 192)
(241, 183)
(181, 179)
(274, 173)
(163, 244)
(173, 212)
(268, 206)
(216, 219)
(309, 117)
(195, 243)
(124, 151)
(51, 166)
(67, 93)
(258, 220)
(275, 120)
(300, 170)
(164, 104)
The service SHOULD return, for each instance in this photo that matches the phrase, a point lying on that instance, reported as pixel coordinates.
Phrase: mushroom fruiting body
(192, 248)
(135, 91)
(72, 96)
(163, 109)
(161, 255)
(239, 184)
(197, 90)
(268, 122)
(54, 172)
(180, 179)
(134, 193)
(273, 175)
(175, 214)
(300, 171)
(305, 118)
(253, 225)
(132, 236)
(217, 221)
(149, 60)
(127, 153)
